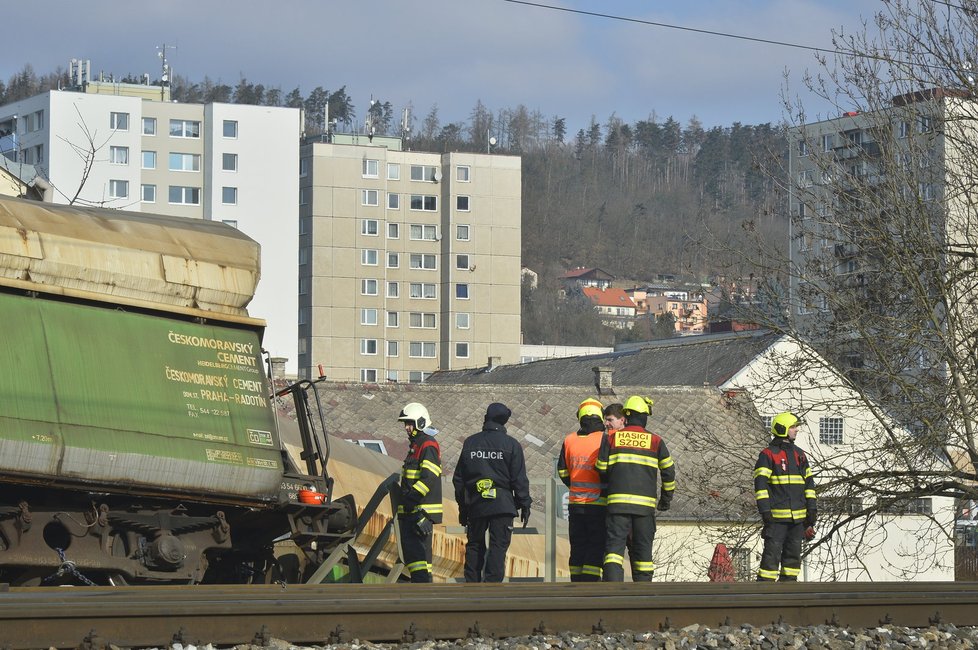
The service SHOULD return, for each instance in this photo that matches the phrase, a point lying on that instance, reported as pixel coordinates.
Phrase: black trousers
(782, 546)
(642, 531)
(487, 563)
(416, 549)
(587, 533)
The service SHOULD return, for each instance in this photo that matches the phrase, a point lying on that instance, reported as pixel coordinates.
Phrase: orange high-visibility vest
(580, 452)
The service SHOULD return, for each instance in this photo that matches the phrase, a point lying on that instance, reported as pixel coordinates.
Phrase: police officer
(785, 493)
(420, 505)
(586, 501)
(490, 487)
(630, 460)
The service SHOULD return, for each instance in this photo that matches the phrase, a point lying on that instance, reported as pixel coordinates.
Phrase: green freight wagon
(139, 434)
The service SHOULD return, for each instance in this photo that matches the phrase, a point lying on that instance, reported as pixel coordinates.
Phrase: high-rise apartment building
(226, 162)
(409, 262)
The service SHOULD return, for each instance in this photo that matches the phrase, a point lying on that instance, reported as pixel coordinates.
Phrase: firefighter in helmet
(421, 505)
(586, 501)
(785, 493)
(630, 461)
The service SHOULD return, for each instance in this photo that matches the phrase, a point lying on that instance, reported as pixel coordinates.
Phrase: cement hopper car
(138, 434)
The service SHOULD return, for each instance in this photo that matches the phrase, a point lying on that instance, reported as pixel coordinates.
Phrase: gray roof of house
(699, 424)
(707, 360)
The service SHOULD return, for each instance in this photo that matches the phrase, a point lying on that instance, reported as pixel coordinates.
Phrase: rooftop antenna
(165, 74)
(406, 124)
(369, 122)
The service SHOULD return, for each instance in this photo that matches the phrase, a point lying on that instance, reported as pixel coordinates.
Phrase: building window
(119, 121)
(393, 172)
(149, 126)
(303, 285)
(462, 173)
(184, 129)
(462, 320)
(369, 197)
(462, 262)
(393, 201)
(368, 257)
(183, 195)
(422, 349)
(230, 128)
(368, 346)
(119, 155)
(371, 168)
(303, 256)
(802, 148)
(462, 291)
(149, 160)
(426, 173)
(369, 227)
(368, 287)
(462, 232)
(830, 431)
(423, 320)
(925, 124)
(368, 316)
(392, 350)
(424, 202)
(393, 290)
(393, 260)
(229, 195)
(417, 377)
(423, 233)
(462, 350)
(118, 189)
(368, 375)
(903, 129)
(303, 315)
(919, 506)
(827, 142)
(229, 162)
(393, 319)
(303, 168)
(462, 203)
(419, 261)
(840, 505)
(393, 231)
(184, 162)
(148, 193)
(373, 445)
(305, 225)
(423, 290)
(303, 196)
(234, 224)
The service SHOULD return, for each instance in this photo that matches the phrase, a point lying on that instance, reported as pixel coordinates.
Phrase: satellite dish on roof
(437, 175)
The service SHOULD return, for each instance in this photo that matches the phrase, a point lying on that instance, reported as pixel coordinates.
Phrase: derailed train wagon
(138, 438)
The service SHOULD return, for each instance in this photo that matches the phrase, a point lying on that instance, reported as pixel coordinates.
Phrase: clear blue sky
(451, 53)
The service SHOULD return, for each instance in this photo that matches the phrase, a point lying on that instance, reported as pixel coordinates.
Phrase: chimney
(602, 379)
(278, 367)
(493, 362)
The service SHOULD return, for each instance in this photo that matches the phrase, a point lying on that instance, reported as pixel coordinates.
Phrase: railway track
(305, 614)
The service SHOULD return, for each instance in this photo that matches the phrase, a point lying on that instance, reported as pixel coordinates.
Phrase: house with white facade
(227, 162)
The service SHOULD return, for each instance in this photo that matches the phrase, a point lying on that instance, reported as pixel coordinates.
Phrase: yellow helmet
(590, 406)
(638, 404)
(781, 422)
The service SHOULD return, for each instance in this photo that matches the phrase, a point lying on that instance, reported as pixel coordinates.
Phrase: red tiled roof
(610, 297)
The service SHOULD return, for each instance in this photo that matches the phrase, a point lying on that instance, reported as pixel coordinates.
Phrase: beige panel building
(409, 262)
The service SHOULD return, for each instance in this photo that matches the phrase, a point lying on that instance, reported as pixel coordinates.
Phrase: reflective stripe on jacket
(631, 460)
(783, 482)
(421, 479)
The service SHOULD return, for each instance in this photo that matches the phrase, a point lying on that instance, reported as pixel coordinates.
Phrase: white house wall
(895, 547)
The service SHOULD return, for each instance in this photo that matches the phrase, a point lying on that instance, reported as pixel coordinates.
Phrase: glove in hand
(810, 532)
(463, 519)
(424, 526)
(665, 502)
(525, 515)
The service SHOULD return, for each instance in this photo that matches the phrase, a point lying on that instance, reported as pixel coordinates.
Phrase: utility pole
(165, 74)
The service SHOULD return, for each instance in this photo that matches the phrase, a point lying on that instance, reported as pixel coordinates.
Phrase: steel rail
(316, 614)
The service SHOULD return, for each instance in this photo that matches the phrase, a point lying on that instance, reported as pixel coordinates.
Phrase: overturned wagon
(139, 439)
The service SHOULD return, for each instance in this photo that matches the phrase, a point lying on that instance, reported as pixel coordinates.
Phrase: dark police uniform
(490, 486)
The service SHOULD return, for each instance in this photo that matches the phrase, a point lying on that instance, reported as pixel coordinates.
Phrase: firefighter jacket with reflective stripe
(783, 483)
(630, 461)
(421, 478)
(575, 467)
(490, 478)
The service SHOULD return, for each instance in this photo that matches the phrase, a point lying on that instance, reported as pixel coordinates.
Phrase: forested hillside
(653, 197)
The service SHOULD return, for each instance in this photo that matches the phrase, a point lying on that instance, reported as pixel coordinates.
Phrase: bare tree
(878, 278)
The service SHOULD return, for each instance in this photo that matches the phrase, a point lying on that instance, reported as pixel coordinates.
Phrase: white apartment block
(225, 162)
(409, 262)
